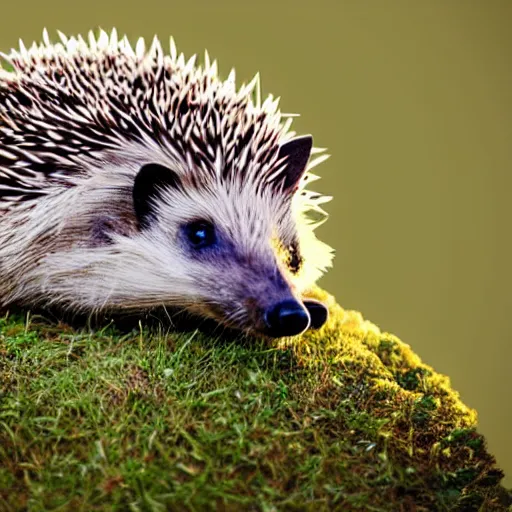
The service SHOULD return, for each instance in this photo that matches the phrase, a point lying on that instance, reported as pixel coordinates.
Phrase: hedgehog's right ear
(149, 183)
(297, 152)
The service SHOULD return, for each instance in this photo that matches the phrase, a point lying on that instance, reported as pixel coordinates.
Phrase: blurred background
(414, 102)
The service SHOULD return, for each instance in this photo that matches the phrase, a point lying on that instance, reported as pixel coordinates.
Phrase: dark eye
(200, 234)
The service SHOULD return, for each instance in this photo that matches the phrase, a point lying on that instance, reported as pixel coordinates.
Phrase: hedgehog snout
(286, 318)
(317, 312)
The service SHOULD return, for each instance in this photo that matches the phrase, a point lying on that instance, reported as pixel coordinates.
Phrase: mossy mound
(347, 418)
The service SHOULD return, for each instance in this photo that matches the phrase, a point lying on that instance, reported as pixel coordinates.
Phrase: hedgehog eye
(295, 260)
(200, 234)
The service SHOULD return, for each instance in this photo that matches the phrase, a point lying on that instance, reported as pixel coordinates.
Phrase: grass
(347, 418)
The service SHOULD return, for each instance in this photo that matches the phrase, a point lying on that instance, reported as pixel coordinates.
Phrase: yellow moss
(349, 340)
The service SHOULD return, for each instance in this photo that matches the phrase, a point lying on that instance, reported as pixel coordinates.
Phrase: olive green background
(414, 102)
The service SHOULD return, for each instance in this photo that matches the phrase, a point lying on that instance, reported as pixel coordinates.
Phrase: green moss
(423, 409)
(347, 418)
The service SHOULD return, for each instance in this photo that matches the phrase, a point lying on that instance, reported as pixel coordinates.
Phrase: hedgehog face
(240, 249)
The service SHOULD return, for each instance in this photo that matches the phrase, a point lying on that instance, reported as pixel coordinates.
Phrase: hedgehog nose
(286, 318)
(318, 313)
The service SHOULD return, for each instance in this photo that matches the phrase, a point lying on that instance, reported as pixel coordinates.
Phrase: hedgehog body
(132, 179)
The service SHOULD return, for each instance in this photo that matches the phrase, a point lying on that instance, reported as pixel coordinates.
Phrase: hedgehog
(133, 179)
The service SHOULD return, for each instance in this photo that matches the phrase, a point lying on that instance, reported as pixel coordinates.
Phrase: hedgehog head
(206, 181)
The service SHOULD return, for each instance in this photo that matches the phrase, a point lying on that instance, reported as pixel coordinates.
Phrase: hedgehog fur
(131, 179)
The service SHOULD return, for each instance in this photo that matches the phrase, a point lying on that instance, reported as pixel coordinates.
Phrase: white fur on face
(150, 268)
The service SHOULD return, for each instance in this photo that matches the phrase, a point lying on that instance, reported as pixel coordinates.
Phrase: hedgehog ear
(297, 152)
(149, 183)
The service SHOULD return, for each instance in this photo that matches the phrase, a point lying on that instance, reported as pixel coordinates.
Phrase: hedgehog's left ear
(297, 152)
(149, 183)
